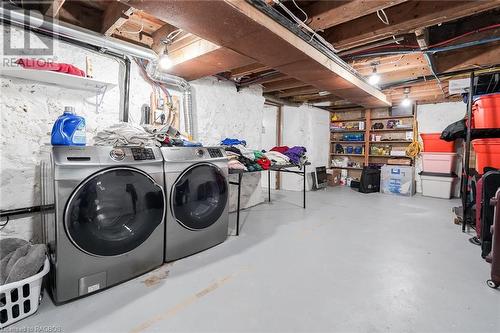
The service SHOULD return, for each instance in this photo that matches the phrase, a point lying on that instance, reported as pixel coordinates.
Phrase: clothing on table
(50, 66)
(248, 153)
(258, 154)
(277, 158)
(234, 164)
(233, 142)
(264, 163)
(295, 154)
(280, 149)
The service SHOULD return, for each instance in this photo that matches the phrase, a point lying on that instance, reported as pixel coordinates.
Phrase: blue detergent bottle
(69, 129)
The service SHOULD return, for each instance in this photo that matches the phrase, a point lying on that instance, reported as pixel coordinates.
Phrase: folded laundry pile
(242, 158)
(19, 259)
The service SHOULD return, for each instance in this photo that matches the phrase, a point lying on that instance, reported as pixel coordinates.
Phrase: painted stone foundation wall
(29, 109)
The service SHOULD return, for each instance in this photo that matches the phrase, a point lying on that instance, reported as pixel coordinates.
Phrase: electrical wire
(384, 19)
(303, 12)
(4, 224)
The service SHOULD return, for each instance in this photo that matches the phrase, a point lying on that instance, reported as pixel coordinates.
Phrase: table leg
(240, 176)
(304, 175)
(269, 185)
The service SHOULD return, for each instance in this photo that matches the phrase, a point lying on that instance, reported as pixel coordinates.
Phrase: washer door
(114, 211)
(199, 196)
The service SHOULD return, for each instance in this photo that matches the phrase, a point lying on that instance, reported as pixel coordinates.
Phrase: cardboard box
(334, 178)
(398, 180)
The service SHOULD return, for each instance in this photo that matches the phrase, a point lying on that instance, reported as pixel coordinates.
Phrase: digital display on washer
(215, 152)
(141, 154)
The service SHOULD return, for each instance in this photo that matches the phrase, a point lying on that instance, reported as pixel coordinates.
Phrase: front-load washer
(196, 184)
(108, 222)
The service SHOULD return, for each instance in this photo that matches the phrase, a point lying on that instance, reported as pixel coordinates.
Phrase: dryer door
(114, 211)
(199, 196)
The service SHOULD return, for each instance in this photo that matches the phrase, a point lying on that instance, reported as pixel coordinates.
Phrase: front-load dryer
(196, 184)
(108, 222)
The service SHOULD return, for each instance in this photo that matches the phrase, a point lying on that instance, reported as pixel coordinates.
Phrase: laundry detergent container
(487, 153)
(438, 162)
(486, 111)
(437, 185)
(433, 143)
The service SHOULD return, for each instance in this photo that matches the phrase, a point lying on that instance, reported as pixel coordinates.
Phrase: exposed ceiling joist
(297, 91)
(248, 69)
(283, 85)
(326, 14)
(159, 35)
(258, 36)
(403, 18)
(115, 15)
(480, 56)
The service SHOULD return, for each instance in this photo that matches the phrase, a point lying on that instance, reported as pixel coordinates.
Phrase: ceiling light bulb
(374, 79)
(165, 62)
(406, 102)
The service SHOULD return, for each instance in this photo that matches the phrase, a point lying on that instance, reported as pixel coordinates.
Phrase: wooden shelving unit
(335, 136)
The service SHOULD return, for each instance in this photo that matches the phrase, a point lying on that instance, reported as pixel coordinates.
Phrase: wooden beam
(115, 15)
(326, 14)
(248, 69)
(297, 91)
(403, 18)
(470, 58)
(52, 8)
(283, 85)
(258, 36)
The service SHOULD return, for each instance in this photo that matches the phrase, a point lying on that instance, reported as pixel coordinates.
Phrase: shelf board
(356, 155)
(349, 142)
(389, 118)
(390, 142)
(346, 168)
(58, 79)
(348, 131)
(347, 120)
(392, 130)
(388, 156)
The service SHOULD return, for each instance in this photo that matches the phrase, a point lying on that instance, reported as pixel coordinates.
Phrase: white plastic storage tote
(398, 180)
(20, 299)
(438, 162)
(437, 185)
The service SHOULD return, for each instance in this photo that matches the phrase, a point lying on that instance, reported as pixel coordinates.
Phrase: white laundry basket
(20, 299)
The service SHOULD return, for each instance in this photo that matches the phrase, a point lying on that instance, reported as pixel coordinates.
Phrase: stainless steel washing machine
(108, 222)
(197, 199)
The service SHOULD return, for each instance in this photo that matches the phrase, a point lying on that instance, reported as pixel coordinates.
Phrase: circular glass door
(199, 196)
(114, 211)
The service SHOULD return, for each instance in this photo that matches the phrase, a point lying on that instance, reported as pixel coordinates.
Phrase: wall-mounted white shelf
(58, 79)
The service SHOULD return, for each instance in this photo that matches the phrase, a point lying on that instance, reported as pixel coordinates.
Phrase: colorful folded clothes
(277, 158)
(236, 165)
(233, 142)
(264, 163)
(281, 149)
(295, 154)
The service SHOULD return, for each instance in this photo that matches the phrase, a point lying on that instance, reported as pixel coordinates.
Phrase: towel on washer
(19, 259)
(127, 134)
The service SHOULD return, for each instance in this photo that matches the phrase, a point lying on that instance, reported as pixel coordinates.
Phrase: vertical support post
(240, 177)
(269, 185)
(465, 167)
(368, 126)
(304, 194)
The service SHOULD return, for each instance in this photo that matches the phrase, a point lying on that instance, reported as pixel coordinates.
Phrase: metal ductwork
(79, 35)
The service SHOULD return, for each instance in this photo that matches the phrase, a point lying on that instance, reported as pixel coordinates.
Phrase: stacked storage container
(486, 114)
(438, 164)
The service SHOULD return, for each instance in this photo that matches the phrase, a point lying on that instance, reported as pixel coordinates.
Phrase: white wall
(306, 126)
(434, 118)
(28, 110)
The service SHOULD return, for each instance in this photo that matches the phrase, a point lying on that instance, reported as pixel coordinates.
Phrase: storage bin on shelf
(433, 143)
(437, 185)
(438, 162)
(20, 299)
(487, 153)
(486, 111)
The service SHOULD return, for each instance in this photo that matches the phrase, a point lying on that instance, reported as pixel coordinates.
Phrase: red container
(486, 111)
(432, 143)
(487, 153)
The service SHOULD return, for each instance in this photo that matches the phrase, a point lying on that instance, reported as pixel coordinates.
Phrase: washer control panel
(215, 152)
(141, 154)
(117, 154)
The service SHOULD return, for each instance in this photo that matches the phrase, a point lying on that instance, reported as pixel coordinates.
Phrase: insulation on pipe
(37, 23)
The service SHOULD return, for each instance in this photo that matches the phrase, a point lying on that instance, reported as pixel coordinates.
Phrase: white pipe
(37, 22)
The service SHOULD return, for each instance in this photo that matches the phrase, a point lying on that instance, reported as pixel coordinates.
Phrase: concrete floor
(350, 262)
